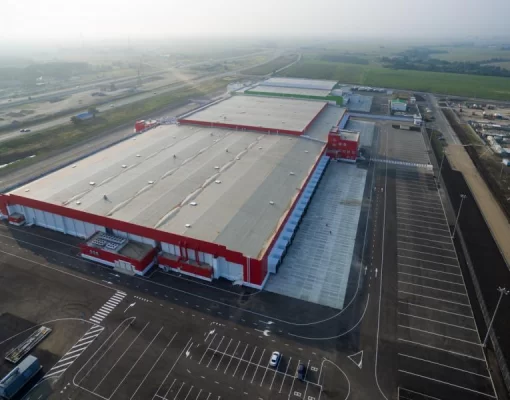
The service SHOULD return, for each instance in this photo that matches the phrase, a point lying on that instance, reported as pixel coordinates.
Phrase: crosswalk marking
(74, 352)
(107, 308)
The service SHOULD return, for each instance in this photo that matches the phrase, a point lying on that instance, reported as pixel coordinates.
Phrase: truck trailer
(14, 381)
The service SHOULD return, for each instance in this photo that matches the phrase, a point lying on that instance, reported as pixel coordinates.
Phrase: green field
(60, 137)
(470, 53)
(486, 87)
(271, 66)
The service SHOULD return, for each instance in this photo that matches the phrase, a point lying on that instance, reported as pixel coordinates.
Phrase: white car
(275, 359)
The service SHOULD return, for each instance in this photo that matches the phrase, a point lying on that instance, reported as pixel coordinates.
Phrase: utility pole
(462, 197)
(502, 291)
(501, 172)
(441, 164)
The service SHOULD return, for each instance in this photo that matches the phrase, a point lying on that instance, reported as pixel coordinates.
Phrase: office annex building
(220, 194)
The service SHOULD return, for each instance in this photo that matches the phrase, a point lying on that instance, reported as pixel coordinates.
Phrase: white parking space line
(294, 379)
(438, 334)
(168, 390)
(406, 214)
(431, 254)
(153, 365)
(418, 210)
(240, 359)
(215, 350)
(425, 233)
(258, 364)
(179, 391)
(136, 362)
(425, 245)
(435, 309)
(276, 370)
(249, 362)
(285, 375)
(422, 221)
(428, 261)
(226, 350)
(447, 383)
(432, 279)
(189, 392)
(173, 366)
(440, 349)
(231, 357)
(422, 226)
(436, 321)
(122, 355)
(434, 298)
(443, 365)
(206, 350)
(264, 377)
(429, 269)
(447, 242)
(406, 192)
(423, 204)
(433, 288)
(198, 395)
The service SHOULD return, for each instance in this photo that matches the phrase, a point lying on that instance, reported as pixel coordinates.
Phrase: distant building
(398, 105)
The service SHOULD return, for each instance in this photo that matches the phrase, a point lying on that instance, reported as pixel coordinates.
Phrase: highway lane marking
(433, 279)
(428, 261)
(434, 298)
(443, 365)
(153, 365)
(440, 349)
(424, 239)
(435, 309)
(433, 288)
(436, 321)
(425, 245)
(438, 334)
(447, 383)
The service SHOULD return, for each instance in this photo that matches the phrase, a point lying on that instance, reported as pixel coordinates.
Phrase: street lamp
(502, 291)
(462, 197)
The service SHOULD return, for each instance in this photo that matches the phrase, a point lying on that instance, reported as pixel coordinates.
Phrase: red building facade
(342, 144)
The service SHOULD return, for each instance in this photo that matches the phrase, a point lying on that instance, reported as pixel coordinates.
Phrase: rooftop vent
(150, 182)
(291, 173)
(74, 166)
(217, 181)
(92, 183)
(138, 155)
(260, 148)
(306, 151)
(78, 202)
(271, 202)
(237, 158)
(124, 166)
(188, 225)
(193, 203)
(27, 190)
(216, 167)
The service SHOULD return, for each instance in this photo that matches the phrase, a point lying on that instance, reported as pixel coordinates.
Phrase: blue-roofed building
(84, 116)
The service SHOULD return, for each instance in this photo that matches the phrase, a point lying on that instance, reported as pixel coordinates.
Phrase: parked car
(301, 372)
(275, 359)
(24, 130)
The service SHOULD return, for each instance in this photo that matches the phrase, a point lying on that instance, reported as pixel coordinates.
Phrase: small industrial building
(84, 116)
(342, 144)
(300, 83)
(219, 194)
(398, 105)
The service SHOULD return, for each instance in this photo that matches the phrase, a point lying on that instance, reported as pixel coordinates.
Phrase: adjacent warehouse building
(195, 197)
(300, 83)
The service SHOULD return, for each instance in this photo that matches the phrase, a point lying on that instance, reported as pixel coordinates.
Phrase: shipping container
(19, 377)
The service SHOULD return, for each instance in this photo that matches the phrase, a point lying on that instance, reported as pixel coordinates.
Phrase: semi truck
(14, 381)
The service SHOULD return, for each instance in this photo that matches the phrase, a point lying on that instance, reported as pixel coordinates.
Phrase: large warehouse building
(218, 195)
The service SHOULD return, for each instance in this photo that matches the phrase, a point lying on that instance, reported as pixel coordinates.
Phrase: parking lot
(438, 345)
(148, 360)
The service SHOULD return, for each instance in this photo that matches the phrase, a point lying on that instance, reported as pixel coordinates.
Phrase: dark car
(301, 372)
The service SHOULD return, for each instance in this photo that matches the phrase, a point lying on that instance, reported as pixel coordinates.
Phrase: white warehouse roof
(300, 83)
(220, 182)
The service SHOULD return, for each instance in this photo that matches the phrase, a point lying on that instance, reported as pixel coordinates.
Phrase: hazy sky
(65, 20)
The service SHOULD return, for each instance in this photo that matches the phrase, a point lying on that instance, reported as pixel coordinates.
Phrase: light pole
(462, 197)
(501, 172)
(502, 291)
(441, 164)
